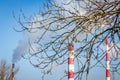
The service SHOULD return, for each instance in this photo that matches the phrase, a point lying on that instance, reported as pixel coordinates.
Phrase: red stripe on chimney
(71, 74)
(70, 60)
(107, 73)
(107, 57)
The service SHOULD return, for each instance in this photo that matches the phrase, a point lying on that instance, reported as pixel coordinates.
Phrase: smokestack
(13, 65)
(71, 62)
(107, 61)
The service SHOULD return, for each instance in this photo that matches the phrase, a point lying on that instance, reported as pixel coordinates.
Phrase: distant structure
(71, 62)
(13, 65)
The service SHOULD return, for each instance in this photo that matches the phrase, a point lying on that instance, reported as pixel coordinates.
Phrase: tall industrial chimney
(107, 60)
(71, 62)
(13, 65)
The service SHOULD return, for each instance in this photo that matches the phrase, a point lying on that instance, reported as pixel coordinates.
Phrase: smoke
(27, 45)
(72, 6)
(20, 50)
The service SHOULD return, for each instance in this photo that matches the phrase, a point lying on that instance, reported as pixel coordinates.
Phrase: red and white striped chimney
(13, 65)
(71, 62)
(107, 61)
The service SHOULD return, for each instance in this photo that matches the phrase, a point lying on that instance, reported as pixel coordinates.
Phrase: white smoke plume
(20, 50)
(71, 5)
(27, 45)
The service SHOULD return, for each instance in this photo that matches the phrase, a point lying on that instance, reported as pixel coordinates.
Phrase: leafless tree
(6, 71)
(86, 24)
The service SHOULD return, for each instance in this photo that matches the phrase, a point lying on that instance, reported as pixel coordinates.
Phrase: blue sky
(10, 38)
